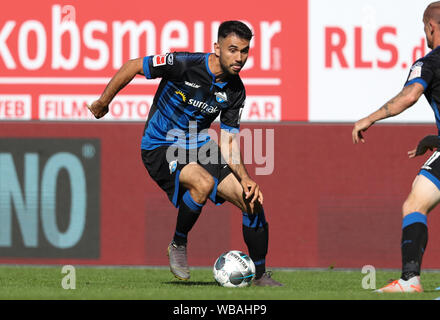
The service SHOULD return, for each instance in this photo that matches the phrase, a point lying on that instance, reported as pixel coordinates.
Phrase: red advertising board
(56, 57)
(328, 202)
(73, 189)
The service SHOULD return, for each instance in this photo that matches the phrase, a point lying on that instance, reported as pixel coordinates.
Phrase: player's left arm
(409, 95)
(231, 152)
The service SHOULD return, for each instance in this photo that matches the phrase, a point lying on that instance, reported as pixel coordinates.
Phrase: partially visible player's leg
(255, 227)
(197, 184)
(424, 196)
(187, 187)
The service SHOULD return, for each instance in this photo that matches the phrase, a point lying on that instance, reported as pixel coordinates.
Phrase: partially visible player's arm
(429, 142)
(405, 99)
(124, 75)
(231, 152)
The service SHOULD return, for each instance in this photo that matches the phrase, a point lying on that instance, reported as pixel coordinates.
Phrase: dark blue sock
(189, 212)
(413, 244)
(256, 237)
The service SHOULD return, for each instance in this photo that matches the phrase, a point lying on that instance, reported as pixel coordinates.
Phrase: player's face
(233, 52)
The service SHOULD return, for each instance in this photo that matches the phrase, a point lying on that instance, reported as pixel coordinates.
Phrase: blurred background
(73, 190)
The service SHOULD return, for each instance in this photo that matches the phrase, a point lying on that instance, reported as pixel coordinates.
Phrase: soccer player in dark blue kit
(424, 78)
(177, 150)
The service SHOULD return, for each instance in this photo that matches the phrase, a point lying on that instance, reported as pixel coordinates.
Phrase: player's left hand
(251, 190)
(429, 142)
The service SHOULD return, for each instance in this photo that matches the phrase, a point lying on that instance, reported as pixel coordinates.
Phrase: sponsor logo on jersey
(203, 106)
(159, 60)
(173, 166)
(193, 85)
(221, 97)
(181, 94)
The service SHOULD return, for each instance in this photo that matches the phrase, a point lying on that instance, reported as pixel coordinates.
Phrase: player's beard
(227, 68)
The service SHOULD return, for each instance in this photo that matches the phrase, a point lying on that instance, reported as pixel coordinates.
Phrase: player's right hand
(359, 127)
(98, 109)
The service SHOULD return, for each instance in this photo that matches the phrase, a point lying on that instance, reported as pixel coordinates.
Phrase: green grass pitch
(108, 283)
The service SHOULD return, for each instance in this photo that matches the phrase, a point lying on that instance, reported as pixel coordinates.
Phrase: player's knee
(204, 186)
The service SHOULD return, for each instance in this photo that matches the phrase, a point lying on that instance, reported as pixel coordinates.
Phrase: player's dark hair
(234, 26)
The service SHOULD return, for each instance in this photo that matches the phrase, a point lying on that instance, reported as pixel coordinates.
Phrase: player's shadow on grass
(192, 283)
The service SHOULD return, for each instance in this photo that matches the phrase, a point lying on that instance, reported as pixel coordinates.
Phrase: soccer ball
(234, 269)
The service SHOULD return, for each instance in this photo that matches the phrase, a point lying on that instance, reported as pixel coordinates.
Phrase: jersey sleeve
(422, 71)
(167, 66)
(230, 117)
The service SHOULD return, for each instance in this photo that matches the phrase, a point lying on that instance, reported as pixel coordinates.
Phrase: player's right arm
(124, 75)
(405, 99)
(169, 66)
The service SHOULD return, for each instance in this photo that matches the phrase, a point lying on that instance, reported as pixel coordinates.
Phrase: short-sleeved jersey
(188, 100)
(426, 71)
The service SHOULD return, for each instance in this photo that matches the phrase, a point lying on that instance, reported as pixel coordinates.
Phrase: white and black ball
(234, 269)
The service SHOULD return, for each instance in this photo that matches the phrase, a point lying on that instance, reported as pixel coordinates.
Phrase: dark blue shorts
(431, 169)
(165, 166)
